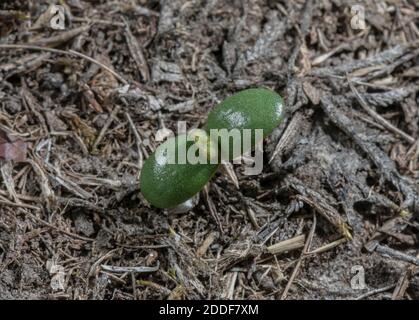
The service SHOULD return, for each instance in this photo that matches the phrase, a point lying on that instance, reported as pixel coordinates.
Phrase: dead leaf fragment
(12, 148)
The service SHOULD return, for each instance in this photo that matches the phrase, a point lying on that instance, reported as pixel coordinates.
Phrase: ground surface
(343, 172)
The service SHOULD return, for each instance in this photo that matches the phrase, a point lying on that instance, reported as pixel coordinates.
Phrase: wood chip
(287, 245)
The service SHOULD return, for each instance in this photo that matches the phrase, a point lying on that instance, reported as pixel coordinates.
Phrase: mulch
(337, 202)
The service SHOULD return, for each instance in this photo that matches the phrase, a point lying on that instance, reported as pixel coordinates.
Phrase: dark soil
(342, 169)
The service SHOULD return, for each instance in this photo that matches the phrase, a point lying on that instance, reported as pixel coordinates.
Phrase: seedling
(254, 109)
(182, 165)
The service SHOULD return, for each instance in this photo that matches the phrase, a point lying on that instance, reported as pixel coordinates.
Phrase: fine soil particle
(84, 105)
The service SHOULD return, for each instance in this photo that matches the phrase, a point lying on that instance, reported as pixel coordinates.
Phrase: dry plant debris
(79, 112)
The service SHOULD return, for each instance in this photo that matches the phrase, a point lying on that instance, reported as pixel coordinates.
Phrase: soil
(79, 112)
